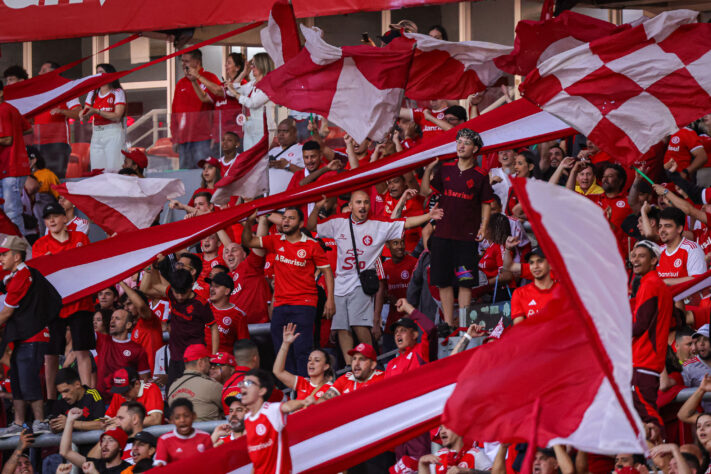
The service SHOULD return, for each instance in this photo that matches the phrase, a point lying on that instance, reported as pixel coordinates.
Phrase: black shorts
(81, 325)
(25, 366)
(453, 263)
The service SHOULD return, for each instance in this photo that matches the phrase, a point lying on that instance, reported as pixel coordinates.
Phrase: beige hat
(13, 242)
(407, 25)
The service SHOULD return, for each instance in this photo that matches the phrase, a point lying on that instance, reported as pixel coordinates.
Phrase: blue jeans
(192, 152)
(303, 317)
(12, 194)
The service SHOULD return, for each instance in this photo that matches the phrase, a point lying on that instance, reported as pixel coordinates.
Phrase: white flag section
(571, 237)
(280, 37)
(119, 203)
(32, 99)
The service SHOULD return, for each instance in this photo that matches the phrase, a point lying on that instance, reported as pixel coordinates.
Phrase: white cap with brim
(702, 331)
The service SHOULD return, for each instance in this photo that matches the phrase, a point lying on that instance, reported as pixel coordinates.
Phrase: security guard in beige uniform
(196, 386)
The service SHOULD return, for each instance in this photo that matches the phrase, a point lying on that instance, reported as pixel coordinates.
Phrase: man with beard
(455, 454)
(297, 257)
(364, 362)
(112, 443)
(314, 169)
(144, 447)
(696, 367)
(614, 202)
(234, 428)
(528, 300)
(651, 318)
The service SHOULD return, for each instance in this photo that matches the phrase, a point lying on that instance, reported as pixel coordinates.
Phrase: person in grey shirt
(696, 367)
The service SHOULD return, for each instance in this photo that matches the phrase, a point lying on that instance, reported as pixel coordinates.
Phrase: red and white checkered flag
(627, 91)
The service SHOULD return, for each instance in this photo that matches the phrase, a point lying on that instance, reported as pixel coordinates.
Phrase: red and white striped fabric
(452, 70)
(584, 333)
(247, 175)
(627, 91)
(280, 37)
(80, 272)
(351, 428)
(537, 41)
(118, 203)
(688, 288)
(359, 88)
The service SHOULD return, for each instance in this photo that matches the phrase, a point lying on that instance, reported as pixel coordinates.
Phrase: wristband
(467, 337)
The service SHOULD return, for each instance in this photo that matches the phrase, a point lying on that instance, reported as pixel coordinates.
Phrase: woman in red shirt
(107, 105)
(491, 262)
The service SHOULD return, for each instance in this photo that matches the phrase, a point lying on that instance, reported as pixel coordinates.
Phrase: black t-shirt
(91, 404)
(100, 465)
(187, 323)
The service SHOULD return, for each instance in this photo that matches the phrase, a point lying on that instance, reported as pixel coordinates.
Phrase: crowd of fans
(382, 271)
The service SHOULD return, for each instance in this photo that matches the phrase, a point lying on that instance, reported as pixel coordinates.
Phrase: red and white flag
(359, 88)
(280, 37)
(537, 41)
(7, 227)
(118, 203)
(628, 91)
(585, 333)
(247, 175)
(682, 291)
(452, 70)
(83, 271)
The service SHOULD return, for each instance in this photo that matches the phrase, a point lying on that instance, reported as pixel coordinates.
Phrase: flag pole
(527, 467)
(644, 175)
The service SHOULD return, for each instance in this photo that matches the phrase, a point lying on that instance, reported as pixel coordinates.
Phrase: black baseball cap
(403, 322)
(222, 279)
(233, 398)
(458, 111)
(53, 208)
(535, 251)
(146, 437)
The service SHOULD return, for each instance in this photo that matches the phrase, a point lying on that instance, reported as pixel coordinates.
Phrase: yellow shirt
(47, 178)
(594, 189)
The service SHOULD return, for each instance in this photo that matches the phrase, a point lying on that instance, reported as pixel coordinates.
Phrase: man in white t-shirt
(355, 310)
(285, 159)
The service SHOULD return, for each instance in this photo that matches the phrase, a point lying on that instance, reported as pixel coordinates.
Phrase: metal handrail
(153, 116)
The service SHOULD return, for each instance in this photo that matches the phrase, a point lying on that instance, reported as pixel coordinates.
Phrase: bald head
(360, 205)
(286, 132)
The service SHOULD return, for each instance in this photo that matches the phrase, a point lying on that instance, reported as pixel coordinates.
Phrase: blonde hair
(263, 62)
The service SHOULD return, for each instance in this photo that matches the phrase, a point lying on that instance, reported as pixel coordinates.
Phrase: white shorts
(354, 309)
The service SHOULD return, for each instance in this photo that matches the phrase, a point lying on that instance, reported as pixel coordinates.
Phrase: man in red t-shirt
(77, 315)
(264, 424)
(455, 455)
(127, 386)
(651, 318)
(184, 441)
(192, 105)
(399, 201)
(398, 273)
(614, 203)
(28, 354)
(314, 170)
(116, 350)
(528, 300)
(297, 258)
(148, 331)
(363, 372)
(14, 163)
(686, 149)
(230, 320)
(210, 256)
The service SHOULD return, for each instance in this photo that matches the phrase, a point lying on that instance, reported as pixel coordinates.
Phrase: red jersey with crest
(472, 458)
(208, 265)
(428, 128)
(528, 300)
(686, 260)
(303, 388)
(161, 308)
(251, 293)
(702, 235)
(149, 334)
(231, 326)
(347, 382)
(173, 446)
(113, 354)
(267, 445)
(149, 395)
(48, 245)
(680, 147)
(397, 277)
(413, 207)
(106, 102)
(295, 264)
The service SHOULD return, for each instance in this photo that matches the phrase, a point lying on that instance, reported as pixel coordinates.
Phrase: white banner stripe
(30, 103)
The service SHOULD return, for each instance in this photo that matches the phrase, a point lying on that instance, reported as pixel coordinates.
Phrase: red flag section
(611, 88)
(452, 70)
(80, 272)
(537, 41)
(247, 174)
(359, 88)
(585, 333)
(281, 37)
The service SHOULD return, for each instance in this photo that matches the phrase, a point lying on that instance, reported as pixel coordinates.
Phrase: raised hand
(289, 334)
(436, 213)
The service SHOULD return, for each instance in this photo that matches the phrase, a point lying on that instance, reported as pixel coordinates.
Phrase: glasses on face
(247, 383)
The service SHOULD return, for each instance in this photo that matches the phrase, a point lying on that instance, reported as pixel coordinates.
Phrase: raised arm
(443, 124)
(566, 164)
(65, 445)
(312, 221)
(565, 464)
(680, 203)
(425, 188)
(248, 239)
(406, 196)
(688, 411)
(144, 312)
(153, 284)
(436, 213)
(287, 378)
(25, 441)
(699, 160)
(334, 165)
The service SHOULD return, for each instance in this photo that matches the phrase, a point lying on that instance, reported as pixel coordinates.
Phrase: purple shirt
(461, 196)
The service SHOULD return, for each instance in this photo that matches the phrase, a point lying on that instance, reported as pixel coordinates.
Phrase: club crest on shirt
(261, 429)
(620, 203)
(226, 320)
(201, 447)
(677, 263)
(301, 253)
(127, 353)
(675, 139)
(404, 275)
(367, 240)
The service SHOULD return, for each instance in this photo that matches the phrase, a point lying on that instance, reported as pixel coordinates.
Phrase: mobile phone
(364, 38)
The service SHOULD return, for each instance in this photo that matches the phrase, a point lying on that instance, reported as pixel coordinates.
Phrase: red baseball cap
(195, 352)
(123, 379)
(118, 434)
(210, 160)
(366, 350)
(223, 358)
(138, 156)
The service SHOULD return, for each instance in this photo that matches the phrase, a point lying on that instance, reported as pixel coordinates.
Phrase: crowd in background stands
(385, 269)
